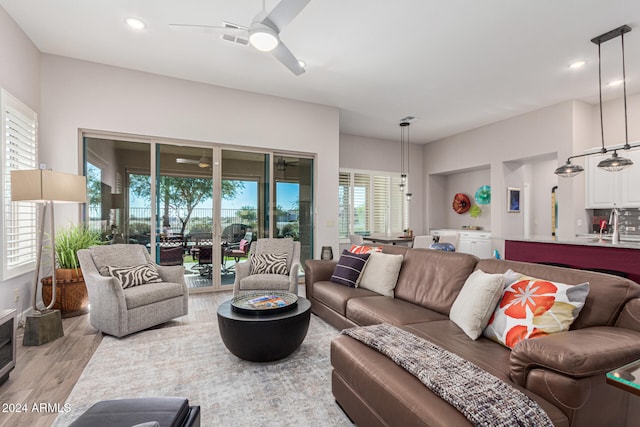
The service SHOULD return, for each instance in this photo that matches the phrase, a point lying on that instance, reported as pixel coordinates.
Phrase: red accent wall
(585, 257)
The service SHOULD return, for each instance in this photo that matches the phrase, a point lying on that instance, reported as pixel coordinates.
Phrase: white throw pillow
(476, 302)
(381, 273)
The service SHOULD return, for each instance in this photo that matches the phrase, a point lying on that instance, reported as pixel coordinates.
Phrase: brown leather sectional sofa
(564, 372)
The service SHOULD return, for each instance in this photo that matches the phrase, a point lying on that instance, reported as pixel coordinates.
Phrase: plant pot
(71, 292)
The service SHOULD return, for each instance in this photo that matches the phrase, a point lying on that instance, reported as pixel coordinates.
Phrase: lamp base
(42, 328)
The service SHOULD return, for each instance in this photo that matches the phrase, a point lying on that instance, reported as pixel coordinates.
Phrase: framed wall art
(513, 199)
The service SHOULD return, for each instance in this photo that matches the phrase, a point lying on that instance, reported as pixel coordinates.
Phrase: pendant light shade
(615, 163)
(568, 170)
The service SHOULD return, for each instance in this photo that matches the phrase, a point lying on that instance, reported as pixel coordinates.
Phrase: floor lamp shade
(46, 187)
(39, 185)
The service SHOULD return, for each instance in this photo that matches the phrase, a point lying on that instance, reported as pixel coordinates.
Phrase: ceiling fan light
(615, 163)
(263, 38)
(204, 162)
(568, 170)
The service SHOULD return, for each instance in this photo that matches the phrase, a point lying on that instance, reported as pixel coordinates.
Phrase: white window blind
(371, 202)
(361, 203)
(344, 204)
(19, 219)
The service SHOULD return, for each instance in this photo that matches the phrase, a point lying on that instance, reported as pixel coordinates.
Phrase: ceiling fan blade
(284, 55)
(285, 11)
(210, 29)
(187, 161)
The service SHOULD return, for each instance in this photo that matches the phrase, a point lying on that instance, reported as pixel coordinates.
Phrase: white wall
(83, 95)
(466, 182)
(358, 152)
(19, 75)
(506, 147)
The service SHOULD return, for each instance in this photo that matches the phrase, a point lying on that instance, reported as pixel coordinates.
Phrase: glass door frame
(216, 153)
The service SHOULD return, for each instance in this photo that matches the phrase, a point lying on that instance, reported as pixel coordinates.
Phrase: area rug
(191, 361)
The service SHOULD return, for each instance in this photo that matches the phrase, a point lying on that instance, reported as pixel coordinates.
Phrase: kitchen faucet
(613, 220)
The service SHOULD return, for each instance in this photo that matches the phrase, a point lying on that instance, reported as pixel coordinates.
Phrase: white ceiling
(455, 65)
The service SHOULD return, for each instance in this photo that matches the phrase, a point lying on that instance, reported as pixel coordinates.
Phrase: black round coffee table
(265, 337)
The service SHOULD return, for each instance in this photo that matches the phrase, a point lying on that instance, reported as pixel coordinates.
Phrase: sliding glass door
(197, 206)
(184, 201)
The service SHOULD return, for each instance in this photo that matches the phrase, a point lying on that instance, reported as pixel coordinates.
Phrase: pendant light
(403, 174)
(615, 162)
(408, 194)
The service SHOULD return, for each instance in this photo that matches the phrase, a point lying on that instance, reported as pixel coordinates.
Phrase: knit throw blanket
(482, 398)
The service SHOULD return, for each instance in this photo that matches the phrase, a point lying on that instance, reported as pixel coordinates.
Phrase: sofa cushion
(372, 310)
(476, 302)
(483, 352)
(269, 264)
(532, 307)
(381, 273)
(150, 293)
(348, 269)
(134, 275)
(335, 296)
(265, 282)
(433, 279)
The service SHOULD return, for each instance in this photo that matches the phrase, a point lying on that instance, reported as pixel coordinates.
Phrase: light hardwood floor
(46, 374)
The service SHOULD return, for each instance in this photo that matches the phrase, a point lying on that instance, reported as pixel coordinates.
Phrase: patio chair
(205, 260)
(260, 272)
(120, 311)
(171, 255)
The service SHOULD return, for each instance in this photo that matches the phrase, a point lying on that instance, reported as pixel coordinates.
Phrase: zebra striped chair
(128, 292)
(273, 264)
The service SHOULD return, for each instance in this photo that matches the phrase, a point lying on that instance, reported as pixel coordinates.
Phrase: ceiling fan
(282, 164)
(264, 31)
(202, 162)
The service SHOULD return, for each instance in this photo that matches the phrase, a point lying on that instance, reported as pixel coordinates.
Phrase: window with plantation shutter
(371, 202)
(344, 204)
(361, 203)
(19, 143)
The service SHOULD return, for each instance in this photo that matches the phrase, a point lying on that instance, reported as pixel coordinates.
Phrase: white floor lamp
(46, 187)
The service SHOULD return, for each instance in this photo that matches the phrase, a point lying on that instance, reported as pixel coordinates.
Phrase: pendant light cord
(603, 150)
(624, 90)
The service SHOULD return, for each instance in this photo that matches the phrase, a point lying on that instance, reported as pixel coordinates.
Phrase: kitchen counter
(628, 242)
(586, 253)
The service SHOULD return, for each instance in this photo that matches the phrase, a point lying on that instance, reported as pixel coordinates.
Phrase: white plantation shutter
(344, 204)
(361, 203)
(371, 202)
(19, 219)
(381, 204)
(399, 212)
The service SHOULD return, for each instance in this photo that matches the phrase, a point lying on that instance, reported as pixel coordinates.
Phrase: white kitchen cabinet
(475, 243)
(605, 190)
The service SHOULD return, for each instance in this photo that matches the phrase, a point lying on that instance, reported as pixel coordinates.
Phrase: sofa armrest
(317, 270)
(578, 353)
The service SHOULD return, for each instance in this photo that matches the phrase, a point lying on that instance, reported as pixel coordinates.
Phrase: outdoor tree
(181, 194)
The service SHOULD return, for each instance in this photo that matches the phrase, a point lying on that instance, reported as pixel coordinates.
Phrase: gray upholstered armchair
(261, 273)
(121, 311)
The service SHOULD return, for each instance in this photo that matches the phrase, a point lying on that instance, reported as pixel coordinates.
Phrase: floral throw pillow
(531, 308)
(356, 249)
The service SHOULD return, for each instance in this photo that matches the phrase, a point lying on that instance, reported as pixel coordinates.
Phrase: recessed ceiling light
(135, 23)
(615, 83)
(577, 64)
(302, 63)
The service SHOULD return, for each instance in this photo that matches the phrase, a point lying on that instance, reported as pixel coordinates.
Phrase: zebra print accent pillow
(269, 264)
(135, 275)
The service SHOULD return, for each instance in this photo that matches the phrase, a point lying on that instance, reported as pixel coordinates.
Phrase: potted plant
(71, 292)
